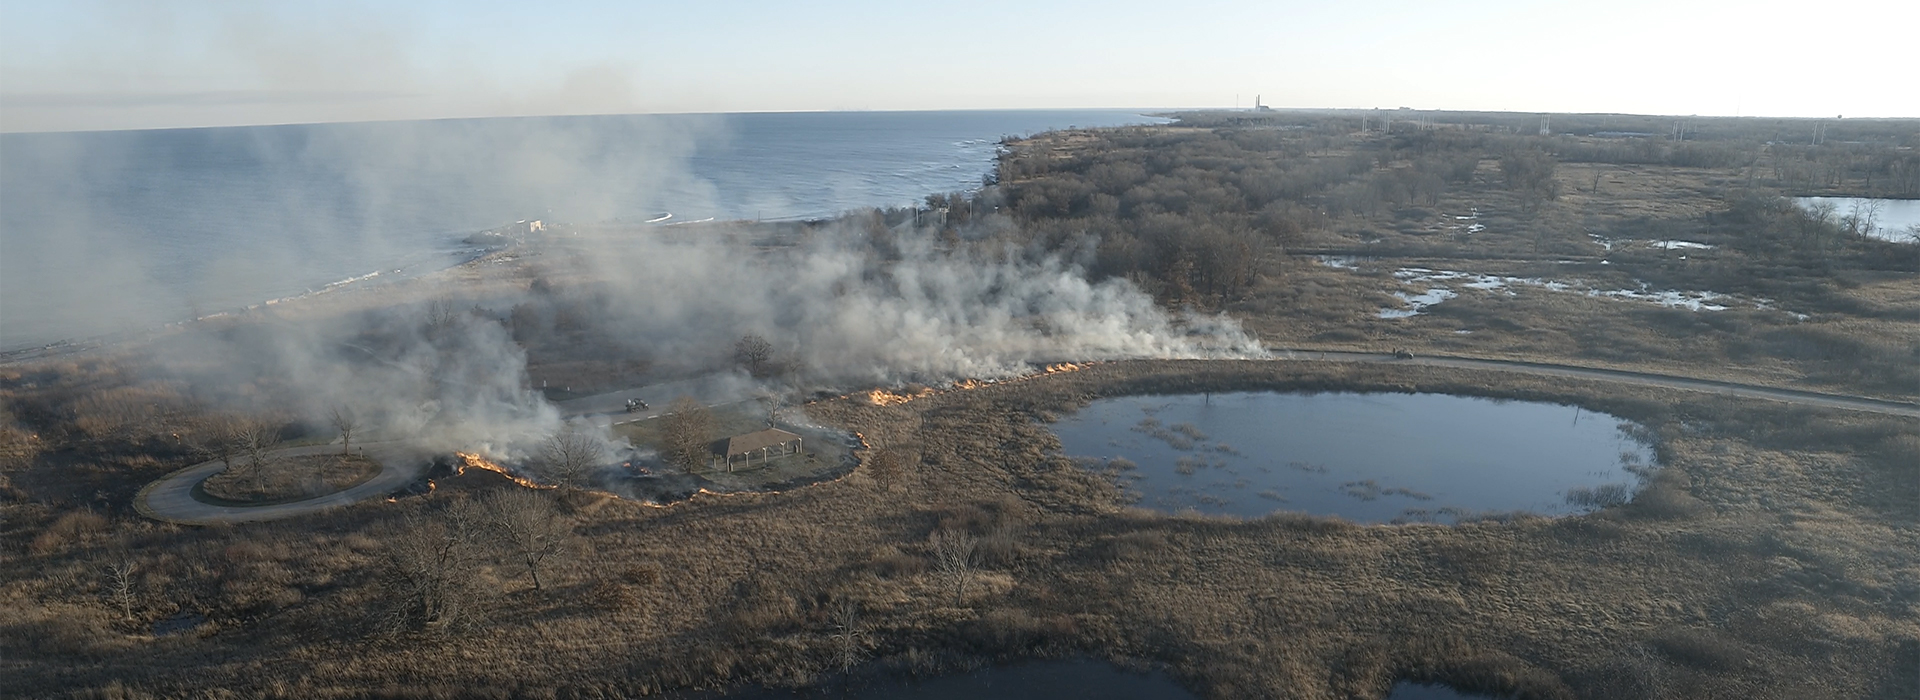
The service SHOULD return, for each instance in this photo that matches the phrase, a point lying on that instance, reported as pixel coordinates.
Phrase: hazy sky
(80, 64)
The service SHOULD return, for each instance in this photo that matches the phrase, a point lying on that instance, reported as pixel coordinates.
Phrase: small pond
(1364, 457)
(1891, 222)
(1079, 679)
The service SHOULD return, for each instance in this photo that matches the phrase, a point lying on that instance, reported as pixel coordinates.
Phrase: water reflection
(1365, 457)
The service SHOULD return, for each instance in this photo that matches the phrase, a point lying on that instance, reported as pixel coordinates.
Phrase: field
(1774, 555)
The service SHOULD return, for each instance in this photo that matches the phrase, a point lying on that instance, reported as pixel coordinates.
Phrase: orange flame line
(884, 397)
(469, 459)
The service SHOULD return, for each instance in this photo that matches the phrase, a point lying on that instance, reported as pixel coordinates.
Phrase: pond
(1892, 220)
(1373, 458)
(1044, 680)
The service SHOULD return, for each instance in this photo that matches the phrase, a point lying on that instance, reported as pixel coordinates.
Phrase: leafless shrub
(953, 560)
(74, 528)
(1599, 497)
(120, 585)
(441, 314)
(890, 467)
(1702, 649)
(1000, 547)
(430, 573)
(892, 563)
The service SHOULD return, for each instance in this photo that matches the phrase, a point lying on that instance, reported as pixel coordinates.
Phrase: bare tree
(120, 585)
(344, 420)
(685, 432)
(212, 438)
(1863, 219)
(441, 313)
(255, 440)
(849, 636)
(569, 455)
(953, 560)
(754, 354)
(529, 527)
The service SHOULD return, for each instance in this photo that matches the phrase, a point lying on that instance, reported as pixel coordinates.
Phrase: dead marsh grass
(1773, 571)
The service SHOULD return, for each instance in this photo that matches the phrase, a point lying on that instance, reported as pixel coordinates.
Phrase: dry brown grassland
(1772, 558)
(1857, 328)
(1775, 556)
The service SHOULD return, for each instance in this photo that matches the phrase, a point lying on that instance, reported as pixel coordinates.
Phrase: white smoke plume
(845, 305)
(913, 310)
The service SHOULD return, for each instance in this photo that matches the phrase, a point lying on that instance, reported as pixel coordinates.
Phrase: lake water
(105, 231)
(1364, 457)
(1893, 222)
(1078, 679)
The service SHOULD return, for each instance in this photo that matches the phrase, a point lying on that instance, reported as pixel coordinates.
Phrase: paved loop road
(1792, 396)
(171, 498)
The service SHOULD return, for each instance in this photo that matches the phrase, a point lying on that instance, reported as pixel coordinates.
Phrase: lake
(1375, 458)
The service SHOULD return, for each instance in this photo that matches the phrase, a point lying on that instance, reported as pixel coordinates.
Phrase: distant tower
(1546, 128)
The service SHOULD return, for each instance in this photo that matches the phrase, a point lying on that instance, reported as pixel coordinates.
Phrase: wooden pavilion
(765, 444)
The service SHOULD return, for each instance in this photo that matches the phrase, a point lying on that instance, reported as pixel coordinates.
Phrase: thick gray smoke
(843, 312)
(448, 379)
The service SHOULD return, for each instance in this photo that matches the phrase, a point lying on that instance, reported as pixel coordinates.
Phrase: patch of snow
(1690, 300)
(1417, 303)
(1343, 262)
(1677, 245)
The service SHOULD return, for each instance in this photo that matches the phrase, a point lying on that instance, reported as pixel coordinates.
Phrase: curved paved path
(1792, 396)
(171, 498)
